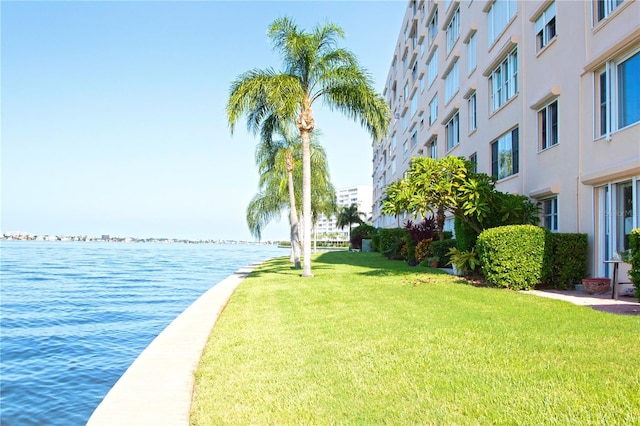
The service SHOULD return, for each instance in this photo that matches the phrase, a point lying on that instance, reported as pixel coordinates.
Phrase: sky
(113, 113)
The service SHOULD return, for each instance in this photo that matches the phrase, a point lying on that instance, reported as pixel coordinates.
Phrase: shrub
(514, 256)
(634, 272)
(390, 241)
(465, 261)
(423, 250)
(427, 229)
(568, 259)
(466, 236)
(440, 249)
(359, 233)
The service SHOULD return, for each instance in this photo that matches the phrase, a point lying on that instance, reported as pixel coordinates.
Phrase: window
(546, 26)
(433, 110)
(421, 83)
(452, 130)
(406, 91)
(433, 27)
(605, 7)
(473, 122)
(405, 149)
(432, 68)
(414, 139)
(504, 81)
(393, 165)
(550, 214)
(433, 149)
(500, 15)
(473, 159)
(453, 30)
(548, 125)
(414, 71)
(617, 100)
(414, 104)
(471, 54)
(393, 142)
(451, 82)
(405, 121)
(504, 155)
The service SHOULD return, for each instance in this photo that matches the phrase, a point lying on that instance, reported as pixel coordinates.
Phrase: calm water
(75, 315)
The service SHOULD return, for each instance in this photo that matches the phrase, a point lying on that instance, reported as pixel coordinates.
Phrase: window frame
(544, 29)
(433, 109)
(473, 112)
(547, 127)
(453, 30)
(609, 105)
(499, 19)
(550, 219)
(452, 82)
(511, 135)
(503, 80)
(452, 131)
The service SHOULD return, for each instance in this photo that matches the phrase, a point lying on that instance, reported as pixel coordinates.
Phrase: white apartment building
(361, 196)
(543, 95)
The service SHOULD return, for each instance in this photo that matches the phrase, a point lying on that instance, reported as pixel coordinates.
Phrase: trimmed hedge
(466, 236)
(440, 250)
(569, 254)
(634, 272)
(515, 256)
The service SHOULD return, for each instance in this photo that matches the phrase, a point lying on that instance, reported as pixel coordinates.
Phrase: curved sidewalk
(157, 388)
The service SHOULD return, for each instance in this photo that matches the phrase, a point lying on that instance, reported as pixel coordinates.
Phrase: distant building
(326, 228)
(542, 95)
(106, 238)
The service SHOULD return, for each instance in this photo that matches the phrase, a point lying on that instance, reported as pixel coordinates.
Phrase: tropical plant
(315, 68)
(465, 261)
(348, 216)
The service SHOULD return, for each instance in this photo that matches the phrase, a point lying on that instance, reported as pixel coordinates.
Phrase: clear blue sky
(113, 113)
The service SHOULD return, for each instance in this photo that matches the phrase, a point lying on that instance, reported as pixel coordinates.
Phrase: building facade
(326, 228)
(542, 95)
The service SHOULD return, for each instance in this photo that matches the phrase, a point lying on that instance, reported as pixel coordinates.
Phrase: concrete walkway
(157, 388)
(601, 302)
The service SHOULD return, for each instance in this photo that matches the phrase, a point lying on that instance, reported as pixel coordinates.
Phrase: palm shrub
(634, 272)
(514, 256)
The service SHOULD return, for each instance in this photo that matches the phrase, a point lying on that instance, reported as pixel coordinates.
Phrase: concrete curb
(157, 388)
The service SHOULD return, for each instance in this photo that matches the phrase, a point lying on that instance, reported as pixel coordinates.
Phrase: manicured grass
(371, 341)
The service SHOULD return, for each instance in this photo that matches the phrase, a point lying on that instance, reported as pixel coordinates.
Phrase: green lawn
(371, 341)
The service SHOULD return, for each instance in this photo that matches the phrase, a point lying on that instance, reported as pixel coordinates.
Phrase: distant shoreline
(21, 236)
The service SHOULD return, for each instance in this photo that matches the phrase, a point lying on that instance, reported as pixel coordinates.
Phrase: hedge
(634, 272)
(390, 240)
(515, 256)
(465, 235)
(569, 253)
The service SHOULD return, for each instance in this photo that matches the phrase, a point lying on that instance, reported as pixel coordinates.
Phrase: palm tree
(279, 165)
(315, 68)
(348, 216)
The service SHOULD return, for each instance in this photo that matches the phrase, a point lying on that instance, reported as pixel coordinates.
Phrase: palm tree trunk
(306, 125)
(306, 204)
(293, 216)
